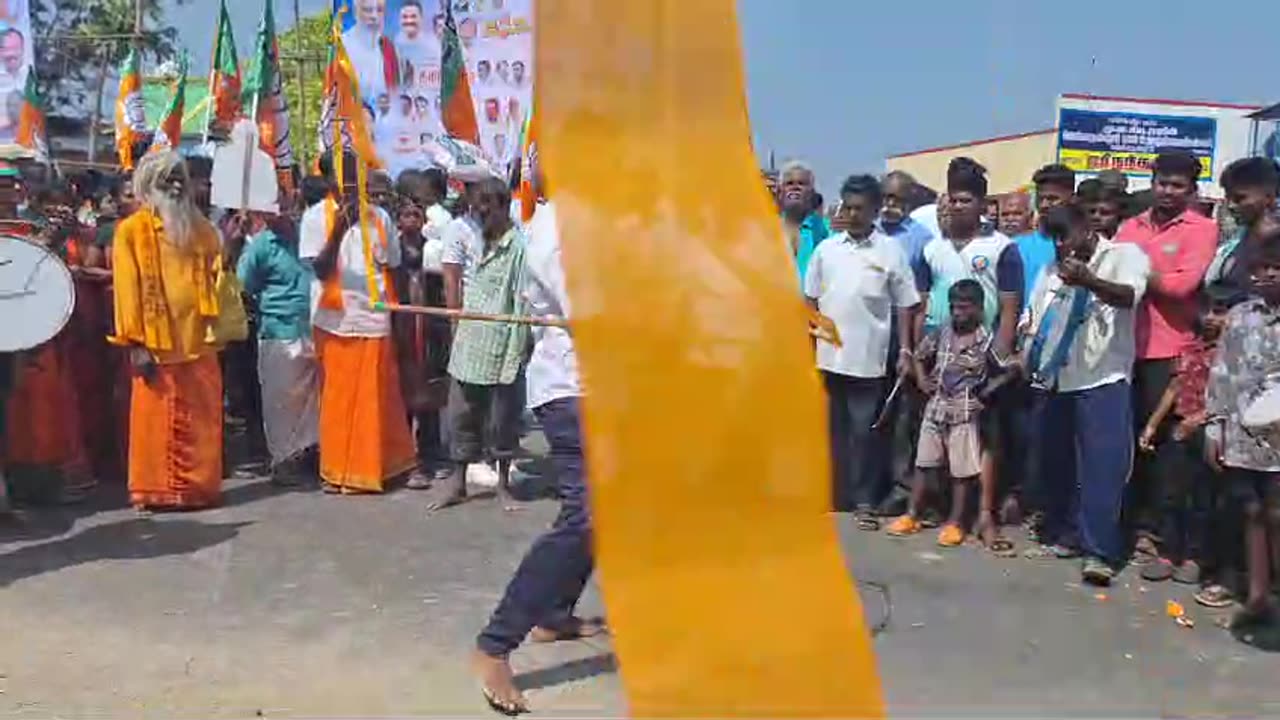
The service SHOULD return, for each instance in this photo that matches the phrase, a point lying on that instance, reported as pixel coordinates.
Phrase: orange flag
(131, 120)
(706, 437)
(458, 112)
(33, 132)
(342, 106)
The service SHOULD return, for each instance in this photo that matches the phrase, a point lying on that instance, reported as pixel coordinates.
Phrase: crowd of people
(1072, 359)
(1075, 359)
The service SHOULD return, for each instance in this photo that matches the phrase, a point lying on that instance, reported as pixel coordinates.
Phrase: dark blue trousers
(553, 573)
(1083, 446)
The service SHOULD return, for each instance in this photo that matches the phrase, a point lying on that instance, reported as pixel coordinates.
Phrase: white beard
(180, 218)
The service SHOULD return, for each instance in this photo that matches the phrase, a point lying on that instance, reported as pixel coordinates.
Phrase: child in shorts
(1248, 365)
(951, 369)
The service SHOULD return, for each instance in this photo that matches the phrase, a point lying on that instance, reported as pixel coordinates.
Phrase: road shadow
(567, 672)
(36, 522)
(134, 539)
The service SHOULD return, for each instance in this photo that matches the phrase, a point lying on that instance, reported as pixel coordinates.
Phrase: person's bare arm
(452, 285)
(1146, 442)
(1007, 329)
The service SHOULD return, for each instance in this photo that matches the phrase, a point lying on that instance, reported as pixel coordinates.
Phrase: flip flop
(867, 522)
(509, 709)
(951, 536)
(1002, 548)
(1215, 596)
(904, 526)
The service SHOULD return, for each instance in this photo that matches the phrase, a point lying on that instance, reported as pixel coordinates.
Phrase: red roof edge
(986, 141)
(1160, 101)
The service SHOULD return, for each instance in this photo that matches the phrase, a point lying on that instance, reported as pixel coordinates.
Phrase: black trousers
(858, 452)
(550, 578)
(1145, 498)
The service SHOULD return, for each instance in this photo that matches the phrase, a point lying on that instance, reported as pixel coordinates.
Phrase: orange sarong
(364, 430)
(44, 448)
(175, 432)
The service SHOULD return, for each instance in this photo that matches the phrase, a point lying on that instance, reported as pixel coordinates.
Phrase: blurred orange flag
(705, 424)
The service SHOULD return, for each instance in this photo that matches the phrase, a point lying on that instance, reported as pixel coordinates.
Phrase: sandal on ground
(576, 629)
(1096, 571)
(1051, 552)
(1215, 596)
(951, 535)
(1187, 573)
(1158, 571)
(904, 526)
(1001, 547)
(866, 521)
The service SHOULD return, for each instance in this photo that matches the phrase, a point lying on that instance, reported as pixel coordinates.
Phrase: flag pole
(213, 73)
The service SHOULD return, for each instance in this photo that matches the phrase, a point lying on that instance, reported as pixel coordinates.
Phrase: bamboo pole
(465, 315)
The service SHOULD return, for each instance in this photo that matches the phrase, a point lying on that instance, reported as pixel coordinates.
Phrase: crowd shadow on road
(567, 672)
(133, 539)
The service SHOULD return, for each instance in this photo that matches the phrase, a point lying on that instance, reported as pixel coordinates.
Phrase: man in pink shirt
(1180, 243)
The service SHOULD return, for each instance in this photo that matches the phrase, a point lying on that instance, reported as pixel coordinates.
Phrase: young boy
(951, 368)
(1079, 355)
(1245, 366)
(1180, 460)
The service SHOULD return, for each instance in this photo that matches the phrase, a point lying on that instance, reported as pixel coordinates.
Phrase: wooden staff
(464, 315)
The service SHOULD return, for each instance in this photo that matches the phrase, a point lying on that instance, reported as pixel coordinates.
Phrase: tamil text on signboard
(1093, 141)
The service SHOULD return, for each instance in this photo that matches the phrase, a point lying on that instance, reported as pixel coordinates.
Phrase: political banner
(395, 48)
(16, 58)
(1092, 141)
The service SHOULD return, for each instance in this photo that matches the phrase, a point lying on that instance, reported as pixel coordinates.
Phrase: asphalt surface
(287, 603)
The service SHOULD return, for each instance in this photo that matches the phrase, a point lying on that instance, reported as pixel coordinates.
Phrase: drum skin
(37, 294)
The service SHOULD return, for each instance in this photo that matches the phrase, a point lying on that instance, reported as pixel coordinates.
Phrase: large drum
(37, 294)
(1262, 417)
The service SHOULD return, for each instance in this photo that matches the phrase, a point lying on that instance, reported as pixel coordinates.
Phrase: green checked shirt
(489, 353)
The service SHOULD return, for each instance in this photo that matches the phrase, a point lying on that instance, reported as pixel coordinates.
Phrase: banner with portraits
(17, 55)
(395, 48)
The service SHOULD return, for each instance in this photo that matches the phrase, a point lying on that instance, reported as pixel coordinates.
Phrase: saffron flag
(343, 115)
(32, 130)
(131, 120)
(169, 130)
(707, 391)
(264, 95)
(458, 112)
(224, 77)
(528, 167)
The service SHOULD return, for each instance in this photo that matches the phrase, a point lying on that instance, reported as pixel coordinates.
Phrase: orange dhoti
(44, 448)
(175, 433)
(364, 430)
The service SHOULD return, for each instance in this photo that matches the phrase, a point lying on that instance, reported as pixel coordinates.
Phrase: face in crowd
(897, 200)
(796, 192)
(1015, 215)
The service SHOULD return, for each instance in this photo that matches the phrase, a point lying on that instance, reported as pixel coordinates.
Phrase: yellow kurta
(170, 317)
(164, 301)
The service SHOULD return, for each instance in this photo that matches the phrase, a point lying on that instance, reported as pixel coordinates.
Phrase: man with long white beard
(164, 258)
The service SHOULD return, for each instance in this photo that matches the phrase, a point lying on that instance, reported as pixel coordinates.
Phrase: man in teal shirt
(280, 287)
(804, 223)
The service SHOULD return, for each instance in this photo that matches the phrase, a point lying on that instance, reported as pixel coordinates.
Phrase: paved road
(300, 604)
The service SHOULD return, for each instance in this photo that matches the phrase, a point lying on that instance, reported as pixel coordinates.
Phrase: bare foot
(448, 493)
(498, 684)
(577, 629)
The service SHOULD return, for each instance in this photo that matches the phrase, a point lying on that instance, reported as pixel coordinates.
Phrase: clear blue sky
(843, 83)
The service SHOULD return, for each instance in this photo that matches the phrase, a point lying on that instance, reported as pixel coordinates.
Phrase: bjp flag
(131, 118)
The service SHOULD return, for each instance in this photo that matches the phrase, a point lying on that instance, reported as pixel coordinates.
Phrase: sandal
(510, 709)
(1002, 548)
(1158, 571)
(904, 526)
(951, 536)
(1215, 596)
(866, 521)
(1188, 573)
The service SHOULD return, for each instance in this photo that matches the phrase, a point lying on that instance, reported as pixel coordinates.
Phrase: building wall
(1010, 161)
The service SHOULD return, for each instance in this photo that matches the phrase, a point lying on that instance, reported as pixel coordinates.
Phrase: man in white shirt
(418, 48)
(540, 598)
(859, 279)
(1079, 352)
(364, 435)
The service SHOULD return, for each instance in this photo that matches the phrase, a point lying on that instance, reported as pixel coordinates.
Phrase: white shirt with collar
(463, 246)
(552, 373)
(1103, 351)
(858, 283)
